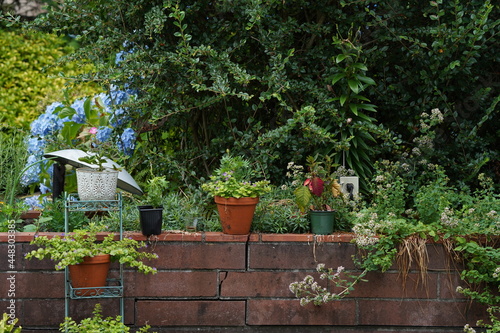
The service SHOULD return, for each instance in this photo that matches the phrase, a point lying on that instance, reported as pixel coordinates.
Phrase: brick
(36, 285)
(195, 255)
(221, 237)
(422, 313)
(289, 312)
(390, 285)
(287, 238)
(34, 264)
(300, 255)
(258, 284)
(190, 313)
(42, 312)
(448, 283)
(11, 257)
(171, 284)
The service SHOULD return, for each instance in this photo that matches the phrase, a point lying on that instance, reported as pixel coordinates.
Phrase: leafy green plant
(234, 179)
(13, 155)
(277, 213)
(97, 323)
(348, 84)
(7, 325)
(320, 190)
(155, 191)
(70, 249)
(53, 217)
(30, 74)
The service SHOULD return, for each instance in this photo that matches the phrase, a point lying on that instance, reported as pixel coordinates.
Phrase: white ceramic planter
(96, 185)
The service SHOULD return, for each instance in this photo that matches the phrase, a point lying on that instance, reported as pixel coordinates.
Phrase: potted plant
(97, 323)
(151, 212)
(235, 193)
(320, 194)
(81, 252)
(92, 136)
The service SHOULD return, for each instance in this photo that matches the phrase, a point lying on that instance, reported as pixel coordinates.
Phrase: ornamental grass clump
(235, 179)
(70, 249)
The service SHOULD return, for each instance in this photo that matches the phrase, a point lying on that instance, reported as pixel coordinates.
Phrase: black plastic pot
(151, 220)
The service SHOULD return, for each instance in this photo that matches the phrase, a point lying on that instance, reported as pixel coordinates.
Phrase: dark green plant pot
(322, 222)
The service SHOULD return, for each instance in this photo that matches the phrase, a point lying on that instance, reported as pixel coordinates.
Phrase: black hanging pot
(151, 220)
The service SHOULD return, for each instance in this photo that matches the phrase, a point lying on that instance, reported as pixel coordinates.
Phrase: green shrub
(29, 74)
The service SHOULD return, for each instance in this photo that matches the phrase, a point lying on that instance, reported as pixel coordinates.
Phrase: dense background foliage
(29, 75)
(277, 81)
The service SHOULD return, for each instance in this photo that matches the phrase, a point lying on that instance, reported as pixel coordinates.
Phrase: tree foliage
(29, 74)
(277, 80)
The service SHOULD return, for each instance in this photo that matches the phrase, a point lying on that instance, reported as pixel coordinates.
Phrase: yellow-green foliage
(28, 79)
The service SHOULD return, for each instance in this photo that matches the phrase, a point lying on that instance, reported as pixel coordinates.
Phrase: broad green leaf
(66, 112)
(368, 107)
(87, 108)
(340, 58)
(360, 66)
(342, 99)
(69, 131)
(366, 79)
(365, 117)
(337, 77)
(354, 108)
(302, 197)
(353, 85)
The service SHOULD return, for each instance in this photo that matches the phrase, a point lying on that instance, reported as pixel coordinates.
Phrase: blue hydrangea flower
(46, 124)
(118, 117)
(52, 107)
(103, 133)
(127, 142)
(31, 175)
(79, 117)
(36, 146)
(33, 202)
(44, 189)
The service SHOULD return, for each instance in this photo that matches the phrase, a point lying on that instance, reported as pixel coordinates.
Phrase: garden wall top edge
(181, 236)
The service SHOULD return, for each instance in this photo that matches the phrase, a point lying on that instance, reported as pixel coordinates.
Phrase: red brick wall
(215, 282)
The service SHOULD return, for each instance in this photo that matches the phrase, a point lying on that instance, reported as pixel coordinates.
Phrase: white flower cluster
(492, 214)
(448, 219)
(469, 329)
(366, 232)
(436, 114)
(295, 170)
(416, 151)
(424, 142)
(496, 273)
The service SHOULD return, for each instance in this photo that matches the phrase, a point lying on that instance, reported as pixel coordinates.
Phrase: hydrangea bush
(69, 125)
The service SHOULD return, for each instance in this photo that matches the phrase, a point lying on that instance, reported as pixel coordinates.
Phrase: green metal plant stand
(114, 288)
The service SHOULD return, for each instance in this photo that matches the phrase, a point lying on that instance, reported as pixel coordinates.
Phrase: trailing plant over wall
(413, 202)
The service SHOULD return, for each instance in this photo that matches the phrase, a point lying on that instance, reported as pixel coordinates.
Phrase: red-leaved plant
(320, 191)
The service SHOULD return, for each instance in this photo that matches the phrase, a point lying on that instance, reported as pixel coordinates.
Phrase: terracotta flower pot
(236, 215)
(91, 273)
